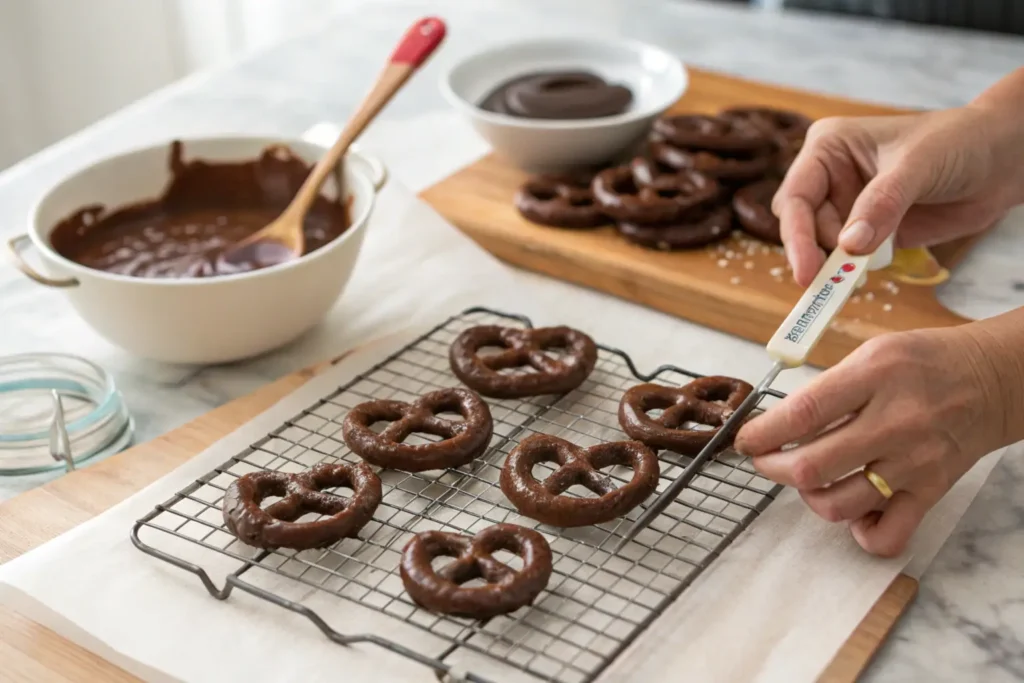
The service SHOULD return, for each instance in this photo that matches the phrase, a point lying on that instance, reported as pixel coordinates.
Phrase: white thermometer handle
(833, 285)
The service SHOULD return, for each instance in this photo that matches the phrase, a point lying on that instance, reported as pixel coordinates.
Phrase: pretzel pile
(701, 177)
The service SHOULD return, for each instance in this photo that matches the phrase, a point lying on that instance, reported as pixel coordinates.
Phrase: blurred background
(65, 63)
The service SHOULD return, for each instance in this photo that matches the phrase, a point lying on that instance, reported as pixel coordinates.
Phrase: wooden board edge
(857, 652)
(696, 73)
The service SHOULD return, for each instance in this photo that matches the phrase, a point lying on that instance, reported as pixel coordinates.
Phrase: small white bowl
(657, 78)
(201, 320)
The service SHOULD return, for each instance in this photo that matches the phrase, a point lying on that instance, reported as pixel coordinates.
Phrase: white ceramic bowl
(202, 320)
(657, 78)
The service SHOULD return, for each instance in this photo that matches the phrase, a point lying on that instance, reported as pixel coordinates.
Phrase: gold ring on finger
(878, 482)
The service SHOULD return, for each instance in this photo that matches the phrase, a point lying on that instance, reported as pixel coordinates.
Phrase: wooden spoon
(283, 239)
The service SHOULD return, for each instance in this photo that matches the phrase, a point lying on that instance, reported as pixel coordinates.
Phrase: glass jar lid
(95, 417)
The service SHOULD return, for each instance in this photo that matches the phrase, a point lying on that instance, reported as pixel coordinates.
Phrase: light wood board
(748, 302)
(31, 653)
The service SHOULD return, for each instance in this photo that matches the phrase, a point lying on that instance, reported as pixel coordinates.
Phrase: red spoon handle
(419, 42)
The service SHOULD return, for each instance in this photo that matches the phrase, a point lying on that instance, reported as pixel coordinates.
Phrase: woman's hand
(920, 408)
(917, 408)
(935, 176)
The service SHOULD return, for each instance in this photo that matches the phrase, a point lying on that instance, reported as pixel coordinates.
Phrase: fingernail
(856, 236)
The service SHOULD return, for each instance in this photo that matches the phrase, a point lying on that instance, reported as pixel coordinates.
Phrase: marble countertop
(968, 622)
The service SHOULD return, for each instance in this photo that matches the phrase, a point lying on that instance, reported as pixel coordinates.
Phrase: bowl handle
(15, 246)
(378, 171)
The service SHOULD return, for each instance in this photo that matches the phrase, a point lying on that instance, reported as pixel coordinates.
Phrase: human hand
(935, 176)
(928, 175)
(920, 408)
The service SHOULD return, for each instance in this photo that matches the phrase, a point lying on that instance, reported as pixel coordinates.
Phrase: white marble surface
(968, 623)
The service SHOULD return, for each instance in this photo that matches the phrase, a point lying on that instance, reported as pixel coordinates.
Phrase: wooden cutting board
(725, 288)
(31, 653)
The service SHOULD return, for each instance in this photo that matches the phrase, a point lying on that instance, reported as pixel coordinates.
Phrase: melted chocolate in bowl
(206, 208)
(563, 95)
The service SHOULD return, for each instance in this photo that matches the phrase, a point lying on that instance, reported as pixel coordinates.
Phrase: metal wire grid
(596, 602)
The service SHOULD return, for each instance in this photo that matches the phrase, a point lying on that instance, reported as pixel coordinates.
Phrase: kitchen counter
(968, 621)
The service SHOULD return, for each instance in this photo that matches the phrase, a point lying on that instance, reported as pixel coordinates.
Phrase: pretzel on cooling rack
(460, 442)
(545, 500)
(708, 401)
(522, 348)
(507, 589)
(275, 527)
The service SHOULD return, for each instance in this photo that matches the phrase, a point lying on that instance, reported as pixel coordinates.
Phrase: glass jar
(96, 419)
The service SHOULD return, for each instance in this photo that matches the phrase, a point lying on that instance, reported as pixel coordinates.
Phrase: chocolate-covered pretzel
(700, 131)
(275, 526)
(461, 441)
(753, 207)
(561, 202)
(786, 155)
(707, 401)
(543, 500)
(507, 589)
(736, 166)
(777, 123)
(522, 348)
(696, 228)
(640, 194)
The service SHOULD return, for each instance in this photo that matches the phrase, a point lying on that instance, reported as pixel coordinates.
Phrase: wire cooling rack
(596, 602)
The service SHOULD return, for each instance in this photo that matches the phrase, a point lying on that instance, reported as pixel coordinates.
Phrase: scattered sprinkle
(891, 286)
(777, 271)
(855, 299)
(749, 265)
(730, 254)
(722, 263)
(766, 250)
(887, 308)
(870, 296)
(736, 280)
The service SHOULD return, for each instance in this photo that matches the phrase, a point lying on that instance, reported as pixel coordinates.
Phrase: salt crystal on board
(749, 265)
(722, 263)
(735, 280)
